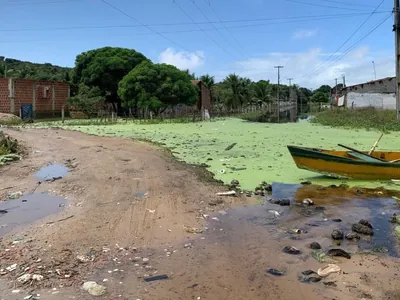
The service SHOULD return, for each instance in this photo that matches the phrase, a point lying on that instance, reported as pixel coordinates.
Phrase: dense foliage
(14, 68)
(105, 67)
(157, 87)
(370, 118)
(87, 99)
(320, 97)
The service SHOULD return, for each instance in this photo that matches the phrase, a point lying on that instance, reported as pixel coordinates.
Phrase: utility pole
(277, 90)
(290, 81)
(397, 54)
(335, 89)
(373, 64)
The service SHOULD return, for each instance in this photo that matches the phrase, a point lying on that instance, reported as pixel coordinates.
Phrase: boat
(377, 165)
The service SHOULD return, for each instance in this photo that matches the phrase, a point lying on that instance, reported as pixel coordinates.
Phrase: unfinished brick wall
(4, 102)
(46, 96)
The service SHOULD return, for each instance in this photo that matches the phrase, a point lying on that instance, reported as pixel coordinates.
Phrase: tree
(208, 80)
(324, 89)
(104, 68)
(87, 99)
(320, 97)
(157, 87)
(241, 92)
(262, 92)
(191, 75)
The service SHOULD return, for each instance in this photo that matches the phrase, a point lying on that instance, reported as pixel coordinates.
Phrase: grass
(368, 118)
(12, 122)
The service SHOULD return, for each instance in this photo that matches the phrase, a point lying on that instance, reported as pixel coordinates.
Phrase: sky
(315, 41)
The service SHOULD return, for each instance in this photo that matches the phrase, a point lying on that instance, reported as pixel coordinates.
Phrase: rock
(308, 272)
(315, 246)
(235, 183)
(337, 220)
(306, 182)
(313, 277)
(365, 223)
(268, 188)
(339, 252)
(308, 201)
(362, 229)
(284, 202)
(94, 289)
(352, 236)
(337, 234)
(274, 201)
(395, 219)
(275, 272)
(291, 250)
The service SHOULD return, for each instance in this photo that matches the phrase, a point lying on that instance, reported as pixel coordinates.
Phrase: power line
(346, 3)
(41, 2)
(226, 28)
(359, 40)
(302, 19)
(209, 36)
(148, 27)
(345, 42)
(322, 5)
(202, 13)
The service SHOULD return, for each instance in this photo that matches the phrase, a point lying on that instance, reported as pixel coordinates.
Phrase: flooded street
(138, 225)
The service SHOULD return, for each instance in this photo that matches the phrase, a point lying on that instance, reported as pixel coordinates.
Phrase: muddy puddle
(27, 209)
(51, 172)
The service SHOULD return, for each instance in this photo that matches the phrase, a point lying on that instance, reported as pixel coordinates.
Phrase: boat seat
(363, 157)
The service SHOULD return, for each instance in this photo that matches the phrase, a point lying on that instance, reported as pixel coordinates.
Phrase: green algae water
(260, 153)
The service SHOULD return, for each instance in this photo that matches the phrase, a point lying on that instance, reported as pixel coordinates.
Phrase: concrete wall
(47, 97)
(385, 85)
(378, 100)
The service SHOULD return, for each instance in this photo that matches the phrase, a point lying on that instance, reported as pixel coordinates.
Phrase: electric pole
(335, 89)
(373, 64)
(290, 81)
(277, 90)
(397, 54)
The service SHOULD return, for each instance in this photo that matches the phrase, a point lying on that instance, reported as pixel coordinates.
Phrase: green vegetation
(368, 118)
(87, 99)
(14, 68)
(156, 87)
(319, 97)
(260, 153)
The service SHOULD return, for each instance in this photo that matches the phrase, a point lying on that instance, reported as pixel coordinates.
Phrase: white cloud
(304, 33)
(314, 67)
(181, 59)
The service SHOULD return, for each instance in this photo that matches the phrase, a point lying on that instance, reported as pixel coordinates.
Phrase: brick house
(47, 97)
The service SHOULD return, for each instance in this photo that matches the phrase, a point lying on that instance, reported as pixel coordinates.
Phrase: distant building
(45, 97)
(379, 93)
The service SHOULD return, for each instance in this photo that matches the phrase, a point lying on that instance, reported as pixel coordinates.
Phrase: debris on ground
(155, 278)
(7, 158)
(330, 268)
(337, 234)
(337, 220)
(308, 201)
(352, 236)
(93, 288)
(275, 272)
(216, 202)
(309, 277)
(321, 257)
(308, 272)
(15, 195)
(230, 193)
(291, 250)
(194, 230)
(339, 252)
(395, 219)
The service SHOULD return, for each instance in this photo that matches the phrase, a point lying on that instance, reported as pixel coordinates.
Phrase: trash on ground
(275, 272)
(15, 195)
(291, 250)
(84, 259)
(11, 268)
(308, 272)
(330, 268)
(321, 257)
(155, 278)
(308, 201)
(194, 230)
(312, 277)
(230, 193)
(93, 288)
(339, 252)
(7, 158)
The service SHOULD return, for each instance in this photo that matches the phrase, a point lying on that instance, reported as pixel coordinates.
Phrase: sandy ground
(128, 201)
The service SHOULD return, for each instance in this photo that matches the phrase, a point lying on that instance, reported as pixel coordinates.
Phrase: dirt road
(128, 212)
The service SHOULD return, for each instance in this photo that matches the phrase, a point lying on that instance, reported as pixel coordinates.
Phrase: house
(45, 98)
(204, 101)
(379, 93)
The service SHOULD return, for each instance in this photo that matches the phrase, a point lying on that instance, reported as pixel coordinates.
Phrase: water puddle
(52, 172)
(27, 209)
(334, 208)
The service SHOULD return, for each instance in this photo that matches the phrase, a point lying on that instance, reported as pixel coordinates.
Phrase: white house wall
(383, 101)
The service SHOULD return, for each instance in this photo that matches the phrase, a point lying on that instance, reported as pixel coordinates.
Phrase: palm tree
(208, 80)
(262, 93)
(240, 88)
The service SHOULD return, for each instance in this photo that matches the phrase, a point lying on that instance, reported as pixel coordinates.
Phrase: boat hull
(340, 165)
